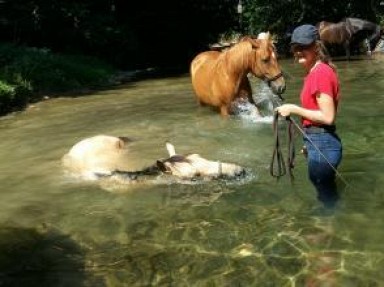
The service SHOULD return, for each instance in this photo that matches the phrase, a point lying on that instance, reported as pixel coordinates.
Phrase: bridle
(268, 81)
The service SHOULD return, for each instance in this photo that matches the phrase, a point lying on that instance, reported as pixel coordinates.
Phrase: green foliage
(47, 72)
(280, 16)
(28, 73)
(12, 97)
(138, 34)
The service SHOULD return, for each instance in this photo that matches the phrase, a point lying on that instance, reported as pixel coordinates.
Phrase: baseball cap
(304, 35)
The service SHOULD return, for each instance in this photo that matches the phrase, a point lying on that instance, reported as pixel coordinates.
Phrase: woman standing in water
(319, 101)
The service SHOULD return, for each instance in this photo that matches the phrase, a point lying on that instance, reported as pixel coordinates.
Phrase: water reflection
(40, 257)
(256, 232)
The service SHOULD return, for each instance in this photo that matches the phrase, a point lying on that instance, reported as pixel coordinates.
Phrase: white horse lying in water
(193, 165)
(103, 156)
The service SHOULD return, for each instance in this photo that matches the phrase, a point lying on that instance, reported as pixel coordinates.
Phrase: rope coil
(278, 167)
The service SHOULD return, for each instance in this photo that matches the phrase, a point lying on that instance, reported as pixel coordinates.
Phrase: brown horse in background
(349, 32)
(218, 78)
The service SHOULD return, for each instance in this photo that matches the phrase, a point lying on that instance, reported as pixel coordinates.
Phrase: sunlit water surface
(59, 231)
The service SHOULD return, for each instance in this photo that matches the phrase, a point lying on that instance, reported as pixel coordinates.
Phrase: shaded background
(134, 34)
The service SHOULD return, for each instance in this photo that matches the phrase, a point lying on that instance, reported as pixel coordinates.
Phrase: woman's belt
(311, 129)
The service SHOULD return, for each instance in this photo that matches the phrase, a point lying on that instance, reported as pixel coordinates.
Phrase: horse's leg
(373, 39)
(368, 47)
(224, 110)
(245, 90)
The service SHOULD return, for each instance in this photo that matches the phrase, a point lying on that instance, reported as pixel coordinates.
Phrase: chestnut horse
(348, 32)
(219, 78)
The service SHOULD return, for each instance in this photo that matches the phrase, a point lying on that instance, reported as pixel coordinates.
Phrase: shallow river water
(59, 231)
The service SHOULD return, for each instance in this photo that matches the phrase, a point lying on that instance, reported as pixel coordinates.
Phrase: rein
(278, 167)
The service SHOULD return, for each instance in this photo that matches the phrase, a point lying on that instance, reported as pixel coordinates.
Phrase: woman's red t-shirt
(322, 79)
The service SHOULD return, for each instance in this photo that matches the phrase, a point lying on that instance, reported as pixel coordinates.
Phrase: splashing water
(265, 101)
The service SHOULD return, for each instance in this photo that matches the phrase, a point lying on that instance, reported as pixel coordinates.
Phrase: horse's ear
(255, 43)
(245, 38)
(264, 35)
(267, 36)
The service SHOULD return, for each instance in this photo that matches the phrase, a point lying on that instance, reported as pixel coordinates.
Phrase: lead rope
(277, 158)
(277, 166)
(291, 148)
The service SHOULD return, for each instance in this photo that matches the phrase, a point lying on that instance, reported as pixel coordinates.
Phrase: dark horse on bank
(348, 33)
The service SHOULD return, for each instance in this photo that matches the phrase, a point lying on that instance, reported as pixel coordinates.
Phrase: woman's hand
(286, 109)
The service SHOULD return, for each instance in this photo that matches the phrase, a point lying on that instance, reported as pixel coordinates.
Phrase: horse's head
(263, 62)
(322, 24)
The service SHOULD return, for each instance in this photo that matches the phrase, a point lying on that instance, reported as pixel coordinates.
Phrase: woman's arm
(325, 115)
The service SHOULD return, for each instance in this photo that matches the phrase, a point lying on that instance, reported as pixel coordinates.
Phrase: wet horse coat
(348, 32)
(194, 166)
(218, 78)
(104, 156)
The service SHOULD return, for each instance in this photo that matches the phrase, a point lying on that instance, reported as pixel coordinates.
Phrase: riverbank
(29, 75)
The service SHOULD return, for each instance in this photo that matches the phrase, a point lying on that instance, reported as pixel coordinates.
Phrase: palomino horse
(349, 32)
(218, 78)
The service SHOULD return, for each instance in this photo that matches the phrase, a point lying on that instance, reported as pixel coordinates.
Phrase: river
(60, 231)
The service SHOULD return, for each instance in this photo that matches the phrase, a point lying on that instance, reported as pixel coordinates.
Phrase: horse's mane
(237, 56)
(240, 55)
(247, 43)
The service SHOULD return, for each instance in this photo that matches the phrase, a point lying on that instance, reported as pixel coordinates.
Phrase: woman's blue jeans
(325, 152)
